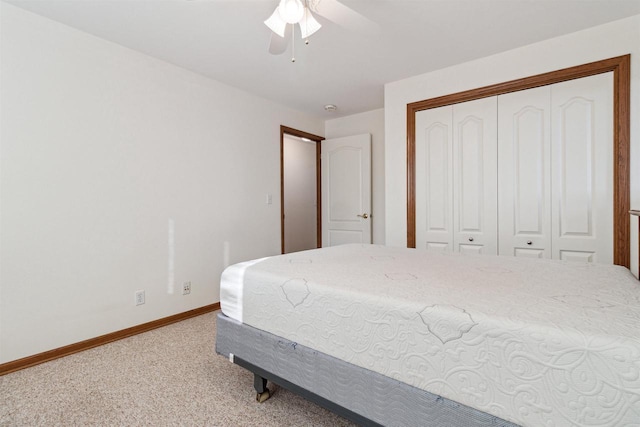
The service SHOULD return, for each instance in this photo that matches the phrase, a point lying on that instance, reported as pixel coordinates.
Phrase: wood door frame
(620, 66)
(318, 140)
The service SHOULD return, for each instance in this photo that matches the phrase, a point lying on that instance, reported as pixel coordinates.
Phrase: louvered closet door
(524, 162)
(582, 169)
(434, 178)
(475, 176)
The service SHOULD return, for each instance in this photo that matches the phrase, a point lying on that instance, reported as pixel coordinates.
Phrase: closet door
(582, 169)
(434, 178)
(524, 161)
(475, 159)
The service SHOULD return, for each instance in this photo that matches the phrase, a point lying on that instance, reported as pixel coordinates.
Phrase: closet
(527, 173)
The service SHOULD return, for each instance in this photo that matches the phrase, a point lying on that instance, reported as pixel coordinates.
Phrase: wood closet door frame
(620, 66)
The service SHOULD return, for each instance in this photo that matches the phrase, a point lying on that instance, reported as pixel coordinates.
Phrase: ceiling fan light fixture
(308, 24)
(276, 23)
(291, 11)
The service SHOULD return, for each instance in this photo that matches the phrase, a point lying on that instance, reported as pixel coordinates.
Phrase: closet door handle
(365, 216)
(471, 239)
(529, 242)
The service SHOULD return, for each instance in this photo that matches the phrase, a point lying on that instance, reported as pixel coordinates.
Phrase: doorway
(300, 190)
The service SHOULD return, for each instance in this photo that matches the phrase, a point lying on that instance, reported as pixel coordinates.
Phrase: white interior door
(434, 179)
(582, 169)
(346, 190)
(475, 176)
(456, 177)
(524, 174)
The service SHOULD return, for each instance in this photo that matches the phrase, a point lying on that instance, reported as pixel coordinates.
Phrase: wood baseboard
(56, 353)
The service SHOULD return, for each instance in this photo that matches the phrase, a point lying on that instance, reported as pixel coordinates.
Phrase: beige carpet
(167, 377)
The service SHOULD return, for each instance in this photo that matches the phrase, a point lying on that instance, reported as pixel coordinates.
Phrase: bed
(396, 336)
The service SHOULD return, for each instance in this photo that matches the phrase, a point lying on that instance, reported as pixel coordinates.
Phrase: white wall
(101, 147)
(369, 122)
(300, 200)
(602, 42)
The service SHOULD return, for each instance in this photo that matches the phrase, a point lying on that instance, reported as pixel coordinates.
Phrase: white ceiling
(227, 41)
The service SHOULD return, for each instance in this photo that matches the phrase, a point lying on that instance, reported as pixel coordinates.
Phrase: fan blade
(346, 17)
(277, 44)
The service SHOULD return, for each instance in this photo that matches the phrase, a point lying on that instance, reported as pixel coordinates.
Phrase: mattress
(534, 342)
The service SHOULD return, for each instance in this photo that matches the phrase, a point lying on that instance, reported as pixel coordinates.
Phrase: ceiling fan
(288, 13)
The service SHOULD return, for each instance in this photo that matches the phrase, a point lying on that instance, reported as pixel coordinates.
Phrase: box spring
(361, 395)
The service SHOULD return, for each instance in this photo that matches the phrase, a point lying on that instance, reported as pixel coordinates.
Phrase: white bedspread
(536, 342)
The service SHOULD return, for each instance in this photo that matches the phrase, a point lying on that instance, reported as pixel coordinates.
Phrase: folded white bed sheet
(535, 342)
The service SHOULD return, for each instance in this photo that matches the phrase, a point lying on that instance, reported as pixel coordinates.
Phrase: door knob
(471, 239)
(365, 216)
(529, 242)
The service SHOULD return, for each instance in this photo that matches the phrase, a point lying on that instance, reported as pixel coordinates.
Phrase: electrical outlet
(139, 297)
(186, 288)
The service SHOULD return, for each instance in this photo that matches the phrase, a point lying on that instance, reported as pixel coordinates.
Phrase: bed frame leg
(260, 384)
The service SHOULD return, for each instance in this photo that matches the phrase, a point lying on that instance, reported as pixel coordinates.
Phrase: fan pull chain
(293, 43)
(306, 22)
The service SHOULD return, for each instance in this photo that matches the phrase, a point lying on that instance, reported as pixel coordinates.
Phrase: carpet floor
(170, 376)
